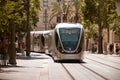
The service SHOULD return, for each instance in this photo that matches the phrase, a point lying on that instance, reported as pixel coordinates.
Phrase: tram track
(114, 61)
(68, 72)
(87, 70)
(106, 71)
(112, 66)
(92, 68)
(87, 73)
(95, 72)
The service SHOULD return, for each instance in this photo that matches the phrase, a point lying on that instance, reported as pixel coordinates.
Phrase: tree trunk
(87, 42)
(76, 15)
(108, 30)
(11, 50)
(100, 50)
(64, 17)
(28, 30)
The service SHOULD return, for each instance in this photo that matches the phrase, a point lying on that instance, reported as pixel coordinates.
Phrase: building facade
(45, 14)
(118, 6)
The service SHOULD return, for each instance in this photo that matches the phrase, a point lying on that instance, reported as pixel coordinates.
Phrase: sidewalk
(27, 68)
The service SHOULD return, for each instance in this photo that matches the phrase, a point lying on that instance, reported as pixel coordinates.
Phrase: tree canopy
(13, 21)
(15, 11)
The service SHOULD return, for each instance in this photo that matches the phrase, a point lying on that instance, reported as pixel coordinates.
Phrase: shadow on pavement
(4, 79)
(8, 71)
(71, 61)
(12, 66)
(31, 57)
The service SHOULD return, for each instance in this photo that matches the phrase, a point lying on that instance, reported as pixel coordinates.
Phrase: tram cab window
(69, 38)
(57, 42)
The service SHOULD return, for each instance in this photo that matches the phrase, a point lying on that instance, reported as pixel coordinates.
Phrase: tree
(11, 17)
(116, 26)
(31, 18)
(60, 9)
(108, 14)
(13, 20)
(91, 32)
(76, 10)
(70, 11)
(101, 12)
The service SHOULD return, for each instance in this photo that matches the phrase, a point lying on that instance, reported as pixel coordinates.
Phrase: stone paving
(27, 68)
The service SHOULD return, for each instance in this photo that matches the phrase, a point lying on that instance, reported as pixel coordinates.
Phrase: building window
(58, 0)
(58, 19)
(45, 3)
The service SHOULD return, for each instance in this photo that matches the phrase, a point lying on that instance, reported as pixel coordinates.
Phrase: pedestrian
(117, 49)
(111, 48)
(3, 51)
(22, 48)
(94, 48)
(16, 47)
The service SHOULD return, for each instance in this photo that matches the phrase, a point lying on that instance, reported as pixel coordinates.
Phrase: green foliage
(76, 10)
(10, 13)
(34, 11)
(91, 31)
(72, 10)
(116, 26)
(108, 12)
(14, 12)
(90, 16)
(91, 11)
(59, 9)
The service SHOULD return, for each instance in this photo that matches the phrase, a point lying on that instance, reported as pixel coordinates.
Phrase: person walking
(22, 48)
(117, 49)
(111, 48)
(3, 51)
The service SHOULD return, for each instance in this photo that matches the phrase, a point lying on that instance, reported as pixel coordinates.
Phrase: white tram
(65, 42)
(38, 40)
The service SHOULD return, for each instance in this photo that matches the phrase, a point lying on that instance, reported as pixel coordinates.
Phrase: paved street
(42, 67)
(27, 68)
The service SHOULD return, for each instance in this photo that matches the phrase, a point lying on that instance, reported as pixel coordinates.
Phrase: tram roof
(65, 25)
(40, 32)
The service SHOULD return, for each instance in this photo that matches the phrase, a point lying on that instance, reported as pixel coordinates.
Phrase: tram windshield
(69, 38)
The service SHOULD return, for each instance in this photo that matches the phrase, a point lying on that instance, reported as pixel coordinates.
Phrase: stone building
(45, 13)
(118, 6)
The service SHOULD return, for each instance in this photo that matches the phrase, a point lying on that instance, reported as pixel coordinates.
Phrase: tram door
(48, 42)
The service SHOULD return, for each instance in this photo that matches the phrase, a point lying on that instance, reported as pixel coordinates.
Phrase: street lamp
(45, 18)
